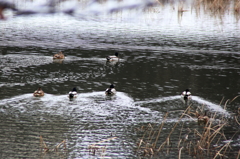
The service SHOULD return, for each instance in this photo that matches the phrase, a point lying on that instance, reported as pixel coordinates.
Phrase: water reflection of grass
(208, 140)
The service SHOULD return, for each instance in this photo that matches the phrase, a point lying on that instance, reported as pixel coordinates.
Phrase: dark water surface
(160, 57)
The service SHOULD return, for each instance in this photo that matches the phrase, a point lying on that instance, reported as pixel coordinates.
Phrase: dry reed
(93, 148)
(216, 8)
(46, 149)
(205, 142)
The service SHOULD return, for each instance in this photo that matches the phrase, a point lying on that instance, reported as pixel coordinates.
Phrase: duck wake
(211, 106)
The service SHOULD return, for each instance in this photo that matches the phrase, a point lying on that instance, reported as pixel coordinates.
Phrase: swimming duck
(38, 93)
(111, 90)
(113, 58)
(186, 95)
(59, 55)
(73, 93)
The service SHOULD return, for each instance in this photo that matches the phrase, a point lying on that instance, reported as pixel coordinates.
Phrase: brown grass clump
(208, 140)
(93, 148)
(218, 7)
(237, 6)
(148, 145)
(59, 147)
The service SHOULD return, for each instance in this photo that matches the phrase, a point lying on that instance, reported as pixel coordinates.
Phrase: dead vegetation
(97, 148)
(214, 7)
(61, 147)
(207, 140)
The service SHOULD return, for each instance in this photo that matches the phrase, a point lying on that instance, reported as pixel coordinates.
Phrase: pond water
(162, 53)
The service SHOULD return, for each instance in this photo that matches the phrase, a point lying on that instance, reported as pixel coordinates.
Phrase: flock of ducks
(186, 95)
(73, 94)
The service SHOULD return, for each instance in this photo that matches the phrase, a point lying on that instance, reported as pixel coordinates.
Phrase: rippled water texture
(162, 54)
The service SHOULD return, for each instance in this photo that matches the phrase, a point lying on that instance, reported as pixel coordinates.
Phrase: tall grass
(207, 140)
(214, 7)
(59, 149)
(96, 148)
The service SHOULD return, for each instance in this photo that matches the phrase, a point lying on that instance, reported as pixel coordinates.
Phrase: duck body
(73, 93)
(111, 90)
(186, 95)
(59, 55)
(113, 58)
(38, 93)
